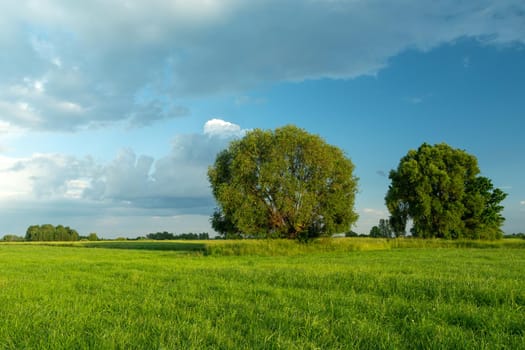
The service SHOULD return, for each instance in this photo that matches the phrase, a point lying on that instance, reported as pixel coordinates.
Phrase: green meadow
(328, 294)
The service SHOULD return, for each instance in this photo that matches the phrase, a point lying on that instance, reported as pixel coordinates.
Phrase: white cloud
(221, 128)
(522, 202)
(189, 48)
(4, 127)
(75, 188)
(70, 107)
(117, 198)
(369, 217)
(13, 184)
(61, 187)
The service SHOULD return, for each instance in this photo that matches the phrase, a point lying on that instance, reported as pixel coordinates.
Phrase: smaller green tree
(440, 189)
(92, 237)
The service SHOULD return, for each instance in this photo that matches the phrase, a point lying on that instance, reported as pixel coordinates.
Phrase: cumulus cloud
(60, 71)
(221, 128)
(12, 185)
(134, 188)
(177, 181)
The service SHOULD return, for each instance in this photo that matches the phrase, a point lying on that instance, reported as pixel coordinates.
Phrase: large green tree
(283, 183)
(440, 189)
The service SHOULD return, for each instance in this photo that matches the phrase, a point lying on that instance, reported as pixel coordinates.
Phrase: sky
(111, 112)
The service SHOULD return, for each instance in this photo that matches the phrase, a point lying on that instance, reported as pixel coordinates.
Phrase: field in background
(330, 294)
(284, 247)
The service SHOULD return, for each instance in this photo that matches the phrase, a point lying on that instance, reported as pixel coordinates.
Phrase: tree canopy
(49, 232)
(439, 188)
(283, 183)
(161, 236)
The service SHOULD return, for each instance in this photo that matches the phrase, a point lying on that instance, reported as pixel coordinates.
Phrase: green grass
(272, 247)
(231, 295)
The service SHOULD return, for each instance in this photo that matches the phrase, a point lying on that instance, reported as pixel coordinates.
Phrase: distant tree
(385, 228)
(183, 236)
(375, 232)
(92, 237)
(49, 232)
(382, 230)
(398, 222)
(283, 183)
(351, 234)
(33, 233)
(12, 238)
(438, 187)
(61, 234)
(73, 234)
(160, 236)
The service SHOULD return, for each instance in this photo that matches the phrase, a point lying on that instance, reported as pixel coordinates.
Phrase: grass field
(339, 294)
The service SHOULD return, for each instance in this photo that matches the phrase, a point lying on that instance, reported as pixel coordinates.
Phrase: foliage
(12, 238)
(283, 183)
(184, 236)
(383, 230)
(351, 234)
(49, 232)
(440, 189)
(62, 298)
(223, 225)
(375, 232)
(92, 237)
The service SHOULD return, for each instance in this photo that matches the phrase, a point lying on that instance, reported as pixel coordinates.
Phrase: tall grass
(284, 247)
(290, 247)
(336, 297)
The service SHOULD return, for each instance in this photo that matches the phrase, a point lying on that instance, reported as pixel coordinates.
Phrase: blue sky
(110, 114)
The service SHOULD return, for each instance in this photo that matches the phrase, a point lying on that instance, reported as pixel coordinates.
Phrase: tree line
(49, 232)
(183, 236)
(288, 183)
(60, 233)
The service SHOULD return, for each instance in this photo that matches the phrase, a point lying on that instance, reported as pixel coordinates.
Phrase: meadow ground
(332, 294)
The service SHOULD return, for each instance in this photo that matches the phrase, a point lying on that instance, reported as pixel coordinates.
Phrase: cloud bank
(68, 65)
(57, 186)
